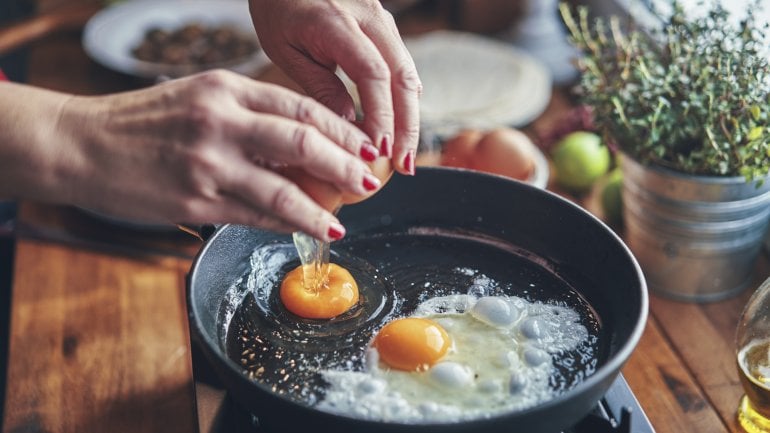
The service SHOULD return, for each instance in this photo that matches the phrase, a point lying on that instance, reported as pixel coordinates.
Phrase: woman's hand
(308, 39)
(198, 149)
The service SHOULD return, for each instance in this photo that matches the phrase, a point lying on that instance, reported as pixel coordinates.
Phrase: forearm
(197, 149)
(34, 153)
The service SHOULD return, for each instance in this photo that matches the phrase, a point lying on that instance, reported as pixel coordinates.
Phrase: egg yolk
(334, 296)
(412, 343)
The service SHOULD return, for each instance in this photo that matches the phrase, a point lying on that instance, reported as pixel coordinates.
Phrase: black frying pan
(566, 240)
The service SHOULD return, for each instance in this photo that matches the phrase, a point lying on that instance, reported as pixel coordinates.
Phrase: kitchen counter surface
(99, 336)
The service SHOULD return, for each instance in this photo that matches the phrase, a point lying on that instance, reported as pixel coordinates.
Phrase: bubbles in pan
(396, 274)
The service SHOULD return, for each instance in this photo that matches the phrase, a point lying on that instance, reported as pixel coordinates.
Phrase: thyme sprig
(692, 96)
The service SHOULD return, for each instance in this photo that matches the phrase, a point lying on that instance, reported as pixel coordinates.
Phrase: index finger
(274, 99)
(405, 88)
(363, 62)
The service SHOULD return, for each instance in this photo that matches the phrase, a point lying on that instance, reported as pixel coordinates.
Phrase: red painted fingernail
(369, 152)
(371, 182)
(336, 231)
(385, 146)
(409, 162)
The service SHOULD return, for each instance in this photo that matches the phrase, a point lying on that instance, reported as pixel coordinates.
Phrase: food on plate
(195, 44)
(458, 151)
(334, 295)
(580, 158)
(499, 359)
(505, 151)
(411, 343)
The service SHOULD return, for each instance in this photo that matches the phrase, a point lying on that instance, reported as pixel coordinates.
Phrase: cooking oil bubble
(400, 274)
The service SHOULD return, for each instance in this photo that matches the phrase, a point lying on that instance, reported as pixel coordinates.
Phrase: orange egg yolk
(334, 296)
(412, 343)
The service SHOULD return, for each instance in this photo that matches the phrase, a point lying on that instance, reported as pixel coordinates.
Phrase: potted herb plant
(687, 105)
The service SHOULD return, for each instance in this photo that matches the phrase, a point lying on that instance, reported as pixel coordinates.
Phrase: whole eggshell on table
(458, 151)
(505, 151)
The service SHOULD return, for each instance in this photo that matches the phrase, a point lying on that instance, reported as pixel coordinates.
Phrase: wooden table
(99, 336)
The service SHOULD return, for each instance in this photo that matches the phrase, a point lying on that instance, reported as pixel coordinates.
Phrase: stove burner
(617, 412)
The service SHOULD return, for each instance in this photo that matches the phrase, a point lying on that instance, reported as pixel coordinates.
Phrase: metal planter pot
(697, 238)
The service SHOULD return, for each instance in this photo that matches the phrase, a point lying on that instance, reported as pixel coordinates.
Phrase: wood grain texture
(98, 343)
(704, 337)
(99, 340)
(669, 395)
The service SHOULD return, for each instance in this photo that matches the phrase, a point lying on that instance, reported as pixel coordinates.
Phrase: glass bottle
(752, 343)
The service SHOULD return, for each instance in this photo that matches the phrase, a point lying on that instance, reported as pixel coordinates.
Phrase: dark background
(14, 66)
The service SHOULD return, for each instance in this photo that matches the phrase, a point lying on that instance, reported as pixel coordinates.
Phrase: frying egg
(412, 343)
(334, 296)
(499, 360)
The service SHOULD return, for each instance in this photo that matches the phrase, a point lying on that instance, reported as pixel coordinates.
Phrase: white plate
(110, 35)
(470, 81)
(542, 171)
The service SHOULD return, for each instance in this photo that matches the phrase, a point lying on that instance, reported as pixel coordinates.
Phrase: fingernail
(409, 162)
(336, 231)
(371, 182)
(385, 146)
(369, 152)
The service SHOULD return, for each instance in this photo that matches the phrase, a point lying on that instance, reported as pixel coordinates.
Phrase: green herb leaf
(690, 96)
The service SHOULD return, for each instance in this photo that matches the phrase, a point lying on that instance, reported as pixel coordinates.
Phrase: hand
(198, 149)
(308, 39)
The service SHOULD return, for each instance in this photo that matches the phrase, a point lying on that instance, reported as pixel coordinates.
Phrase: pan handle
(200, 231)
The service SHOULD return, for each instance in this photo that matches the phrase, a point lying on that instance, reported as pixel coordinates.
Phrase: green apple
(612, 198)
(580, 159)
